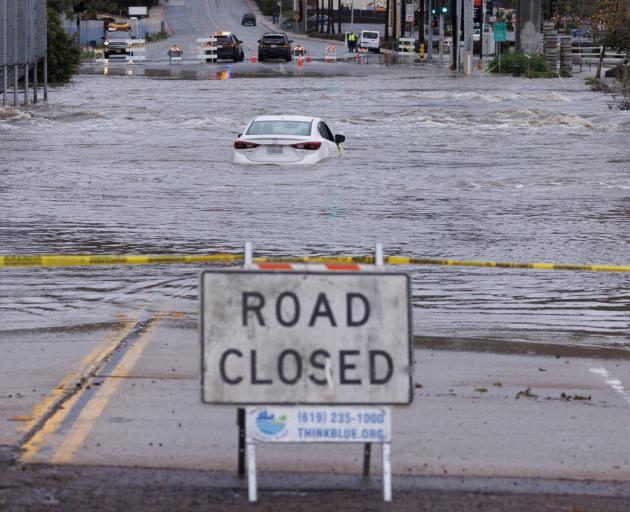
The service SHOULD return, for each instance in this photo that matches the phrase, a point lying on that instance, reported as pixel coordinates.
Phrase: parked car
(370, 40)
(322, 18)
(581, 32)
(229, 47)
(289, 139)
(248, 19)
(274, 45)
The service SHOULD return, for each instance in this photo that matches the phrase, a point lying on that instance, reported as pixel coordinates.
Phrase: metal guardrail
(591, 55)
(23, 42)
(13, 261)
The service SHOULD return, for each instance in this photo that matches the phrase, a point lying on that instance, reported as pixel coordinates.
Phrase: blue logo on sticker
(269, 425)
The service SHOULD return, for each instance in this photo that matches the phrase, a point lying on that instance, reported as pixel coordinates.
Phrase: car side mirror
(339, 139)
(239, 135)
(259, 40)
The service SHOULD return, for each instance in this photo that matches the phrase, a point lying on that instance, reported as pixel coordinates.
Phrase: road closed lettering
(305, 337)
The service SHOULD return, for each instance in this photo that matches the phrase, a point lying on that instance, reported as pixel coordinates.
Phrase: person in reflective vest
(352, 42)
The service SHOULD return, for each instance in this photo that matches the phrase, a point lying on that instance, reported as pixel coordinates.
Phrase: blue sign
(500, 32)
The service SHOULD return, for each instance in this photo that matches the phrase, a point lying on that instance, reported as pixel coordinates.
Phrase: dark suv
(229, 47)
(248, 19)
(274, 45)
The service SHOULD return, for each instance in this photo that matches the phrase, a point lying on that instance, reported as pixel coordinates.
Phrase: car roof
(305, 119)
(274, 34)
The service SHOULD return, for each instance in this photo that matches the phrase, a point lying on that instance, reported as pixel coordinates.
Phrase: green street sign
(500, 33)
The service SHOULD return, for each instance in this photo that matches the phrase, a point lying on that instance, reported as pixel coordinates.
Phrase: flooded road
(435, 165)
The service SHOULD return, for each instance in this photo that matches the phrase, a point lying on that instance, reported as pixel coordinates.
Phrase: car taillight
(241, 144)
(312, 146)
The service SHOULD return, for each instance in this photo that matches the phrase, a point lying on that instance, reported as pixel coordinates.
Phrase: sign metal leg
(240, 422)
(387, 473)
(367, 452)
(252, 486)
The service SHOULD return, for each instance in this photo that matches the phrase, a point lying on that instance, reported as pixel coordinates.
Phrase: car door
(329, 139)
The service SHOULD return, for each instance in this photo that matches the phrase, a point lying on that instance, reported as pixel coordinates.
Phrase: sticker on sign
(312, 424)
(306, 337)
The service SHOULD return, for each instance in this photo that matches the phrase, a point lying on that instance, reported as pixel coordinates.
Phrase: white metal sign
(138, 11)
(312, 424)
(306, 337)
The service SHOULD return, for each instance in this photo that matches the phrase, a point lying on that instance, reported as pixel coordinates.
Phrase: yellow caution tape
(69, 261)
(91, 260)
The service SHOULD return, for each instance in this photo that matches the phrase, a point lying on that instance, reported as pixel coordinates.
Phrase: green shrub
(596, 84)
(156, 37)
(324, 35)
(519, 62)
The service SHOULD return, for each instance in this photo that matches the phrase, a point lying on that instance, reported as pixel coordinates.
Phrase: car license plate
(274, 150)
(274, 46)
(219, 46)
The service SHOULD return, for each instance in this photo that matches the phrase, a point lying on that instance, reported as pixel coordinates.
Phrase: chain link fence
(23, 44)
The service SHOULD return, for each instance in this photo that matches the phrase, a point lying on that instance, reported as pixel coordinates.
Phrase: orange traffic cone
(253, 58)
(308, 58)
(300, 62)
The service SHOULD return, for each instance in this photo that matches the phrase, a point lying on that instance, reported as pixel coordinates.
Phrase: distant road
(192, 19)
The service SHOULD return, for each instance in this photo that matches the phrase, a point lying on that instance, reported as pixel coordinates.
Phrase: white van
(370, 40)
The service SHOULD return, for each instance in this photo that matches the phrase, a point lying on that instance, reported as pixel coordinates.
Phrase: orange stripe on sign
(342, 266)
(275, 266)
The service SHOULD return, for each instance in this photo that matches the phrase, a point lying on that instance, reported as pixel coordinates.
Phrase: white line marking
(614, 383)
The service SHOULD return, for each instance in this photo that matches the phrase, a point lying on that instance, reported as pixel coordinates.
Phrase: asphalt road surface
(192, 19)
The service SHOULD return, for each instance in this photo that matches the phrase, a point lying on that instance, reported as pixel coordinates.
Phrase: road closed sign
(289, 337)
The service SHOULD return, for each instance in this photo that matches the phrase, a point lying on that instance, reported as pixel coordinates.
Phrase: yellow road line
(88, 365)
(69, 446)
(86, 421)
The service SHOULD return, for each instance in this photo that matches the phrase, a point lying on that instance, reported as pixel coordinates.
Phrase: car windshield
(280, 128)
(370, 35)
(274, 39)
(116, 36)
(224, 39)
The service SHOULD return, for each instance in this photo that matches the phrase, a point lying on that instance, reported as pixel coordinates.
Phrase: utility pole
(454, 32)
(387, 17)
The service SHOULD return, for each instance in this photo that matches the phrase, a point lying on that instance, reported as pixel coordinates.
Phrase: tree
(613, 27)
(614, 19)
(63, 52)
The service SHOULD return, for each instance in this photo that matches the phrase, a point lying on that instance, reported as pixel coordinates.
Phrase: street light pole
(352, 15)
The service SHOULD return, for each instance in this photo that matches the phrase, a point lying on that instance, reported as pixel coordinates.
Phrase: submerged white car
(286, 140)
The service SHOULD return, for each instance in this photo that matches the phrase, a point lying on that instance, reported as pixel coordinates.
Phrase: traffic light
(444, 9)
(434, 22)
(433, 11)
